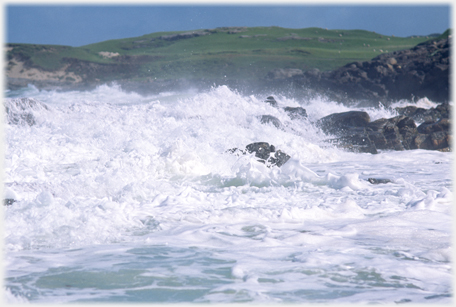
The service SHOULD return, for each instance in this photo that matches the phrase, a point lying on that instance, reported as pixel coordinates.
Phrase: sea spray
(127, 198)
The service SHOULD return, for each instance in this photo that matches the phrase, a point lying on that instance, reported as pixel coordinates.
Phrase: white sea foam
(122, 197)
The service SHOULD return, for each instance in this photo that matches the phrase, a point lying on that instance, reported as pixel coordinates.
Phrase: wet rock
(379, 180)
(271, 100)
(354, 132)
(429, 127)
(350, 130)
(336, 123)
(440, 140)
(355, 139)
(429, 115)
(10, 197)
(433, 136)
(266, 153)
(422, 141)
(269, 119)
(394, 133)
(262, 150)
(8, 201)
(296, 112)
(279, 159)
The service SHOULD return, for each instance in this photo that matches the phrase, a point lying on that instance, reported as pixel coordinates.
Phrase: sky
(82, 24)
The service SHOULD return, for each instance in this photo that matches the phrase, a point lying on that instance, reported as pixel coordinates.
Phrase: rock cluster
(423, 71)
(354, 131)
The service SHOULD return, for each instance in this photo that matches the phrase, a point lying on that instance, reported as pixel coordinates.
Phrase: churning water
(126, 198)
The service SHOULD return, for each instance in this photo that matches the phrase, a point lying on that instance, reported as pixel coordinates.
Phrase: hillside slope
(157, 61)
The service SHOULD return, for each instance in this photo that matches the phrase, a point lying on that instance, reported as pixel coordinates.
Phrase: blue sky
(78, 25)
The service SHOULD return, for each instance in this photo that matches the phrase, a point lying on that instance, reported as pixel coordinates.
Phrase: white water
(124, 198)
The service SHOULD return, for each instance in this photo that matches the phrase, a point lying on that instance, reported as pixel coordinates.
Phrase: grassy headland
(234, 53)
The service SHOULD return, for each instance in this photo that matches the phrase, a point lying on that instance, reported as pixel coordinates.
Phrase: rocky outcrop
(269, 119)
(423, 71)
(271, 100)
(338, 122)
(421, 114)
(296, 112)
(355, 132)
(263, 151)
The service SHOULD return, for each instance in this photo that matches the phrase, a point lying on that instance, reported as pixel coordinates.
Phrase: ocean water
(129, 198)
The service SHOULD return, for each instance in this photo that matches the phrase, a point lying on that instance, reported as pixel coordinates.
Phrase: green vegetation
(235, 52)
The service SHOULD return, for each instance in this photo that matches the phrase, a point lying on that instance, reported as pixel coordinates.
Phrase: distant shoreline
(421, 71)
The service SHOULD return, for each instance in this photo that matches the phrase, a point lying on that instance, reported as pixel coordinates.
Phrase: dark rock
(407, 130)
(269, 119)
(296, 113)
(392, 136)
(439, 140)
(378, 139)
(263, 151)
(354, 132)
(355, 139)
(338, 122)
(423, 71)
(271, 100)
(378, 180)
(236, 151)
(279, 159)
(351, 130)
(8, 201)
(422, 141)
(394, 133)
(404, 122)
(429, 127)
(443, 110)
(410, 111)
(430, 115)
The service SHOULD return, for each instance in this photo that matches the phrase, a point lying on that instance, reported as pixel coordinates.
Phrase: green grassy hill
(235, 52)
